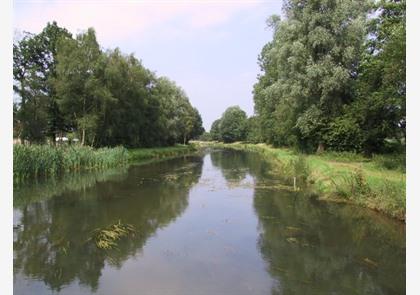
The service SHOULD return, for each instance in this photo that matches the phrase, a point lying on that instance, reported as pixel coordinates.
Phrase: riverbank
(144, 154)
(377, 183)
(33, 161)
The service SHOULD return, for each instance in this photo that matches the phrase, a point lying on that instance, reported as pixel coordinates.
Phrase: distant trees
(215, 130)
(232, 126)
(67, 84)
(205, 137)
(332, 77)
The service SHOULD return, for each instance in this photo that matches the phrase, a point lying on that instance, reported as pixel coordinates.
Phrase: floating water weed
(107, 238)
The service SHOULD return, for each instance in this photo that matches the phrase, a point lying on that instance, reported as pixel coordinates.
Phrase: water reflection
(236, 165)
(316, 248)
(313, 247)
(247, 238)
(51, 237)
(42, 189)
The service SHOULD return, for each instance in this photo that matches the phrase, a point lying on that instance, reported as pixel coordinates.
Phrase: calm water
(212, 224)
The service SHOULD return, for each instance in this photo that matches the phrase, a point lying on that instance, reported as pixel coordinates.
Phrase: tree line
(333, 77)
(68, 85)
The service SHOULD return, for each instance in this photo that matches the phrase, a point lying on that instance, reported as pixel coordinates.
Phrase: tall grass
(31, 161)
(386, 195)
(390, 162)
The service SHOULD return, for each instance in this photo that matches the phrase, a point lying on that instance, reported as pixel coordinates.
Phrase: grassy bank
(142, 154)
(377, 183)
(31, 161)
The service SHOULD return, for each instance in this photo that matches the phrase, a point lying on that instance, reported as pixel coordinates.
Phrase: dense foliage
(334, 76)
(232, 126)
(70, 86)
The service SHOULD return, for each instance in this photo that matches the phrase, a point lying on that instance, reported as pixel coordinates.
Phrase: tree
(377, 115)
(309, 69)
(215, 130)
(233, 125)
(198, 128)
(107, 98)
(181, 122)
(205, 137)
(34, 67)
(253, 130)
(79, 87)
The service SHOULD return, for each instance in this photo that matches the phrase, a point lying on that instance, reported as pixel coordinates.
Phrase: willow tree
(309, 69)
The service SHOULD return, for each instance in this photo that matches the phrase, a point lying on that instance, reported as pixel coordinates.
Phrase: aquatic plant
(108, 237)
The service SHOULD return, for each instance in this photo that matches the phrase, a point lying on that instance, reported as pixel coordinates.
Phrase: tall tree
(381, 86)
(34, 67)
(106, 98)
(309, 69)
(80, 90)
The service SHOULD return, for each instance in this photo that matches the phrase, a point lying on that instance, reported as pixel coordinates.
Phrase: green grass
(378, 183)
(142, 154)
(32, 161)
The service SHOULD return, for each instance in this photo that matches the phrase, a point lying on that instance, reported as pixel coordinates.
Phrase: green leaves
(232, 126)
(106, 98)
(319, 85)
(34, 67)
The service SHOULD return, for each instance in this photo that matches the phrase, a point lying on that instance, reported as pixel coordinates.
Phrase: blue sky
(209, 48)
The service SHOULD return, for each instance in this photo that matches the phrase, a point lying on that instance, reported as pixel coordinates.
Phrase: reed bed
(31, 161)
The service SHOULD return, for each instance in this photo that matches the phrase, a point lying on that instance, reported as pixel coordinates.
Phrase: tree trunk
(320, 148)
(185, 138)
(83, 136)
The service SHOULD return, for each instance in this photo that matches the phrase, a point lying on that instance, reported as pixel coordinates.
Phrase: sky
(208, 47)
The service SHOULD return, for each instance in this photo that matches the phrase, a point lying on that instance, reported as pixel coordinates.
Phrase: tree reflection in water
(316, 248)
(319, 248)
(280, 240)
(51, 238)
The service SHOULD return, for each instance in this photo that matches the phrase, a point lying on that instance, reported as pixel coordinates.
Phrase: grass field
(378, 183)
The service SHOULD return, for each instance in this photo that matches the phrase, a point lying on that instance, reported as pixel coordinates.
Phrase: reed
(31, 161)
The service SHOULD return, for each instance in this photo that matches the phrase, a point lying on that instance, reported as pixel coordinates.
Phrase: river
(217, 223)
